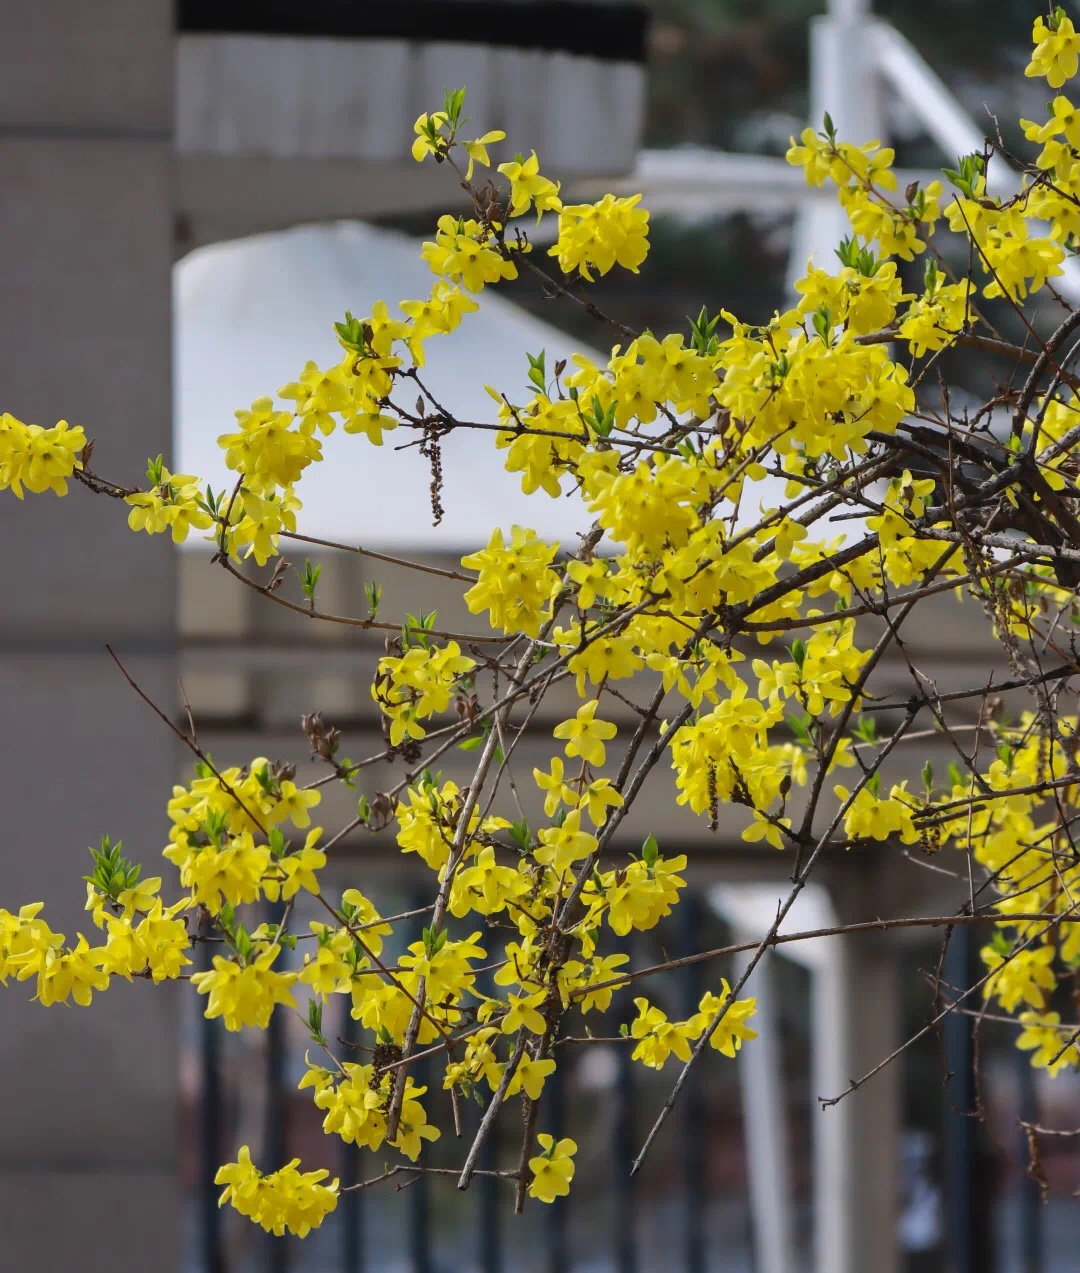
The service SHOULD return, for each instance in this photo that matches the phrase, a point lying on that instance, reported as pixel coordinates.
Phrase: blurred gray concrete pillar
(854, 1024)
(88, 1176)
(876, 1110)
(872, 1116)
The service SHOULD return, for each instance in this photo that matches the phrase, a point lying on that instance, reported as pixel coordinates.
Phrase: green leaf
(434, 940)
(453, 101)
(414, 629)
(703, 338)
(847, 251)
(520, 835)
(537, 376)
(779, 369)
(931, 276)
(309, 579)
(602, 421)
(315, 1021)
(969, 168)
(352, 333)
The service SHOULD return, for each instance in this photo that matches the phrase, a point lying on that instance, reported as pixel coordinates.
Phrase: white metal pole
(843, 82)
(768, 1155)
(848, 10)
(834, 1220)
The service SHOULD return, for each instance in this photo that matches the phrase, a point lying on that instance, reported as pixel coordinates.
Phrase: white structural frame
(855, 59)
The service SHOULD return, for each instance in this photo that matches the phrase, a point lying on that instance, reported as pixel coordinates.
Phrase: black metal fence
(689, 1203)
(687, 1211)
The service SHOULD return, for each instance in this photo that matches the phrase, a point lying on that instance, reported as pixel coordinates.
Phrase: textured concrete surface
(88, 1105)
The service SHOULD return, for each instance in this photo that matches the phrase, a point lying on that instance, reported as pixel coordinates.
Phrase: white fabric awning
(248, 314)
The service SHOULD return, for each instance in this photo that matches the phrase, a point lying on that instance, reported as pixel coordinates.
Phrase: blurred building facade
(131, 130)
(251, 669)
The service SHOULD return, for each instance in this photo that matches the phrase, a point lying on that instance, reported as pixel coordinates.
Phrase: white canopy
(249, 313)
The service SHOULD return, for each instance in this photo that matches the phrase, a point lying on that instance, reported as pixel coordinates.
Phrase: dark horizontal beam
(607, 32)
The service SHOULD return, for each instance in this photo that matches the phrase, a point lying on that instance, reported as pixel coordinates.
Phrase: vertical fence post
(420, 1207)
(352, 1204)
(420, 1244)
(623, 1156)
(969, 1243)
(1031, 1244)
(558, 1260)
(274, 1129)
(693, 1105)
(490, 1191)
(490, 1195)
(210, 1152)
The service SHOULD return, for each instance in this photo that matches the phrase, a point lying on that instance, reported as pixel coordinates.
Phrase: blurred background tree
(733, 75)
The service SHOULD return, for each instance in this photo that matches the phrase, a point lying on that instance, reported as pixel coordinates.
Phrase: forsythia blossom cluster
(747, 617)
(37, 458)
(286, 1200)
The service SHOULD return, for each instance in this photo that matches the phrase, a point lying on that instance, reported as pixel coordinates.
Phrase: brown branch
(763, 945)
(188, 742)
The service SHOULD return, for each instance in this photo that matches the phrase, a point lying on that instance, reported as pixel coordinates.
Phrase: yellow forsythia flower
(601, 235)
(287, 1199)
(529, 189)
(585, 735)
(245, 995)
(553, 1169)
(1057, 47)
(39, 459)
(516, 581)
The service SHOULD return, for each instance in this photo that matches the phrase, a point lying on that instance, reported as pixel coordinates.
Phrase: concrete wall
(87, 1098)
(273, 130)
(252, 668)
